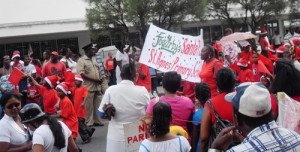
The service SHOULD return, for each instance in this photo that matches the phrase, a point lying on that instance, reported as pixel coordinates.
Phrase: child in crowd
(258, 68)
(202, 92)
(67, 112)
(245, 74)
(33, 93)
(79, 94)
(188, 90)
(48, 93)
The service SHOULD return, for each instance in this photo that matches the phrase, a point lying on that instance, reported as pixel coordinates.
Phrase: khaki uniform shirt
(90, 68)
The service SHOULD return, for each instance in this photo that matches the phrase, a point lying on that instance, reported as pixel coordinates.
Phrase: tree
(260, 11)
(295, 11)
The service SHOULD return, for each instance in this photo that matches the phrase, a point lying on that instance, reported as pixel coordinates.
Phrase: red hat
(263, 30)
(243, 62)
(64, 86)
(54, 53)
(52, 80)
(295, 41)
(15, 54)
(69, 70)
(78, 77)
(280, 49)
(286, 44)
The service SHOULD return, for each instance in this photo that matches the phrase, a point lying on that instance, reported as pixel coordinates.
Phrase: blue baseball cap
(251, 99)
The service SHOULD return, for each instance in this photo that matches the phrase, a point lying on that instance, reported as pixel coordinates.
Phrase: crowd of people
(233, 108)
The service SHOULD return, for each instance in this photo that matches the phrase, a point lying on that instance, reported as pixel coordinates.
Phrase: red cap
(64, 86)
(242, 62)
(78, 77)
(280, 49)
(69, 70)
(263, 30)
(295, 41)
(15, 54)
(52, 80)
(54, 53)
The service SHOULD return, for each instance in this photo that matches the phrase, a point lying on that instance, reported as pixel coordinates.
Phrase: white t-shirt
(72, 64)
(44, 136)
(29, 69)
(12, 62)
(124, 58)
(130, 102)
(11, 132)
(172, 145)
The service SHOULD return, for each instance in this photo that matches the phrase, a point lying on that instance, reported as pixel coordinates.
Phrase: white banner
(168, 51)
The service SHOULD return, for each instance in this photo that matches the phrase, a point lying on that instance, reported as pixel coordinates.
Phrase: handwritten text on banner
(168, 51)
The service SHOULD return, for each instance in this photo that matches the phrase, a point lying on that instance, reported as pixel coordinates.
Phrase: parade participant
(276, 39)
(182, 107)
(291, 34)
(128, 101)
(188, 90)
(13, 135)
(245, 74)
(88, 68)
(226, 82)
(109, 64)
(16, 60)
(252, 117)
(161, 138)
(280, 50)
(154, 81)
(230, 51)
(49, 135)
(54, 66)
(79, 94)
(202, 92)
(266, 49)
(209, 68)
(33, 93)
(122, 58)
(143, 73)
(67, 59)
(258, 68)
(286, 79)
(67, 112)
(48, 93)
(46, 57)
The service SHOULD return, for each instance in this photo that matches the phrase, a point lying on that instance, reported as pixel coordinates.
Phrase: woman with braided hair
(161, 139)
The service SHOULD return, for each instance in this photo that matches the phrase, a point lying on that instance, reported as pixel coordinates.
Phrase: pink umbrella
(237, 36)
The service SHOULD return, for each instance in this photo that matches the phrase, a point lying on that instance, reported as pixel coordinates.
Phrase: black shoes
(92, 132)
(98, 124)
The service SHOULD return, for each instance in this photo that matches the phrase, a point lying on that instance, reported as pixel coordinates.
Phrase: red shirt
(78, 96)
(297, 55)
(259, 69)
(38, 70)
(50, 98)
(263, 43)
(208, 75)
(188, 89)
(147, 81)
(33, 90)
(245, 76)
(53, 69)
(109, 63)
(223, 108)
(69, 116)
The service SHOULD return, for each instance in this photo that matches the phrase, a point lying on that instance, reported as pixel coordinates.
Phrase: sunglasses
(11, 106)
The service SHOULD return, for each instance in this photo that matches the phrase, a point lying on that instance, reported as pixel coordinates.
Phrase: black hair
(26, 56)
(119, 45)
(225, 80)
(287, 78)
(171, 81)
(8, 96)
(47, 52)
(64, 51)
(161, 118)
(211, 50)
(253, 122)
(128, 72)
(56, 129)
(202, 92)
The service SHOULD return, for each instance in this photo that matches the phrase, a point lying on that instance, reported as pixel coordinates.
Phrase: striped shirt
(269, 137)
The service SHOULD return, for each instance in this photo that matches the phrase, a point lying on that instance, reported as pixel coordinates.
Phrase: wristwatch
(214, 150)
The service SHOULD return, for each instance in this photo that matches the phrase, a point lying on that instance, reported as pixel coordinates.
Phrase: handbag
(218, 126)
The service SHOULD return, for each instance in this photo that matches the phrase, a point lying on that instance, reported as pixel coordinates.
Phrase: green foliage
(295, 9)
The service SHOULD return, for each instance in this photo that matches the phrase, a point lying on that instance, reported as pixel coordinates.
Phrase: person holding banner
(161, 138)
(209, 68)
(128, 102)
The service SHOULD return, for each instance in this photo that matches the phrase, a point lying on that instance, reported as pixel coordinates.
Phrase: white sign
(168, 51)
(135, 133)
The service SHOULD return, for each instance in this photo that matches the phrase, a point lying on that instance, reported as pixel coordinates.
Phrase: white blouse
(72, 64)
(11, 132)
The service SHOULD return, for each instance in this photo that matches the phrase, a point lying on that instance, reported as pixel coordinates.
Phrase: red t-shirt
(38, 70)
(208, 75)
(109, 63)
(245, 76)
(223, 108)
(69, 116)
(263, 43)
(147, 81)
(53, 69)
(297, 55)
(50, 98)
(188, 89)
(78, 96)
(33, 90)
